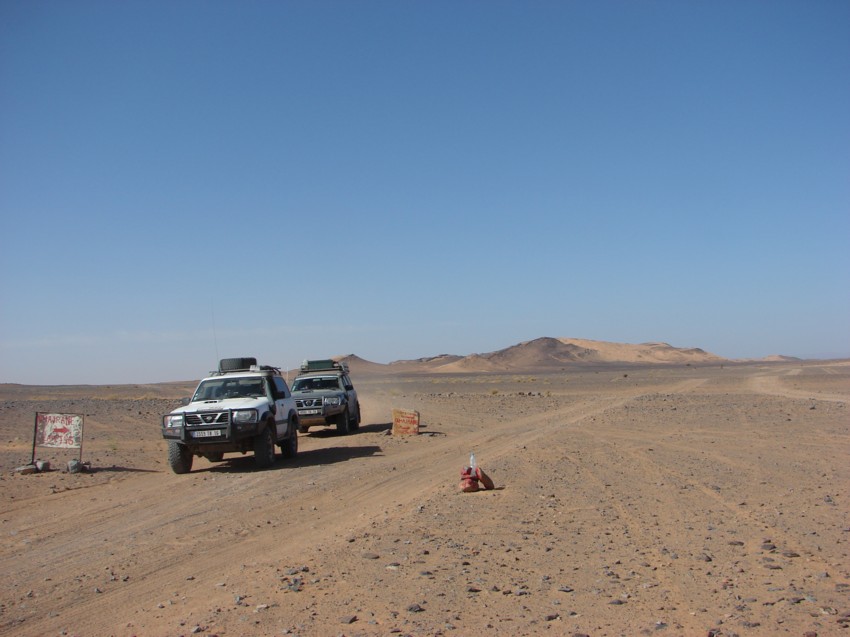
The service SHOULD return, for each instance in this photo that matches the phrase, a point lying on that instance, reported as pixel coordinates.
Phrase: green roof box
(322, 366)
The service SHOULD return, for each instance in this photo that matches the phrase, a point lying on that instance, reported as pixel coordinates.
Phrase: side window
(281, 390)
(346, 381)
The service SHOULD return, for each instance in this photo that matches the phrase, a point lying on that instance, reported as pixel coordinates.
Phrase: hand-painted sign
(405, 422)
(63, 431)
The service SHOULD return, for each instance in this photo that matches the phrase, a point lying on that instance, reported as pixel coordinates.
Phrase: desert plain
(704, 499)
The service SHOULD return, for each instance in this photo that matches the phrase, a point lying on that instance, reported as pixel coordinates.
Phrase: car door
(350, 394)
(283, 405)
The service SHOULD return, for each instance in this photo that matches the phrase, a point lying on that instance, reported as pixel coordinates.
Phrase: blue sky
(183, 181)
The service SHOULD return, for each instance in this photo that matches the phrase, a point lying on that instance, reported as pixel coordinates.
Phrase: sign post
(60, 431)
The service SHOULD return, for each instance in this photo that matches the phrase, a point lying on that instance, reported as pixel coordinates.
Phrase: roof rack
(243, 364)
(324, 365)
(252, 368)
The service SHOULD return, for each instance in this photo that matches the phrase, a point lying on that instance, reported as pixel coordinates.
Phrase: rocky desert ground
(673, 500)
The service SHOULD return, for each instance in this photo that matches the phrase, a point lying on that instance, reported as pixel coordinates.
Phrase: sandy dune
(547, 353)
(671, 500)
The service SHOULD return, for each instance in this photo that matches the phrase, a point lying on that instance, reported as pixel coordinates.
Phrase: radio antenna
(215, 337)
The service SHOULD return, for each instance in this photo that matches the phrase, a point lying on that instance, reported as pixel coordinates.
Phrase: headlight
(245, 415)
(174, 420)
(332, 400)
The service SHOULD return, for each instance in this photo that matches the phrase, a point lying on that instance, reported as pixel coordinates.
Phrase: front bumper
(206, 429)
(318, 416)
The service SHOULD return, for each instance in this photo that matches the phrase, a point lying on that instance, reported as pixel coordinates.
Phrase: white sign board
(62, 431)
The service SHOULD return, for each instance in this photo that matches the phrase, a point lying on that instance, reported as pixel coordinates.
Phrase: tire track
(772, 386)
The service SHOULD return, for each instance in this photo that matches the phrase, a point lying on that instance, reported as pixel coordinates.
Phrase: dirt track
(670, 501)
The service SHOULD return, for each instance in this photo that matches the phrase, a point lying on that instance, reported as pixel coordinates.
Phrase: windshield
(221, 388)
(315, 382)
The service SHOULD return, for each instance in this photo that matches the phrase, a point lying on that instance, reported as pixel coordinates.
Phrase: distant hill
(548, 352)
(545, 353)
(360, 365)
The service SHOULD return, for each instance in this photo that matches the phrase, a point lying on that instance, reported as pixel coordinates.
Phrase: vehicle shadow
(117, 469)
(386, 428)
(331, 432)
(380, 428)
(331, 455)
(311, 458)
(88, 468)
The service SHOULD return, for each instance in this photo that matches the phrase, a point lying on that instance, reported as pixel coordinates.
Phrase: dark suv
(324, 395)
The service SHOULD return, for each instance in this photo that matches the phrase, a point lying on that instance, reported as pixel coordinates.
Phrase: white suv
(242, 407)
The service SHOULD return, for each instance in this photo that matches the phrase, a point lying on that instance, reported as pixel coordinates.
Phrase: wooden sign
(405, 422)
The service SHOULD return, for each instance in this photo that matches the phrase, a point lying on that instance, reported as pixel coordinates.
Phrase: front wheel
(264, 456)
(179, 457)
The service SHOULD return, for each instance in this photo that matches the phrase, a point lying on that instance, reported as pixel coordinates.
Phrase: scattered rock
(294, 584)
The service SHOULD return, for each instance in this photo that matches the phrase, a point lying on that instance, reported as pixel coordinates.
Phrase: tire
(343, 423)
(303, 428)
(179, 457)
(289, 447)
(264, 454)
(232, 364)
(215, 456)
(355, 423)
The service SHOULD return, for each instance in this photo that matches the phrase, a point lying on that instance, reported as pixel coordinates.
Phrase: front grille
(208, 418)
(308, 402)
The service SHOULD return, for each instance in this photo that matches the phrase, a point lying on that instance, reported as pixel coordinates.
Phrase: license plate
(309, 412)
(206, 433)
